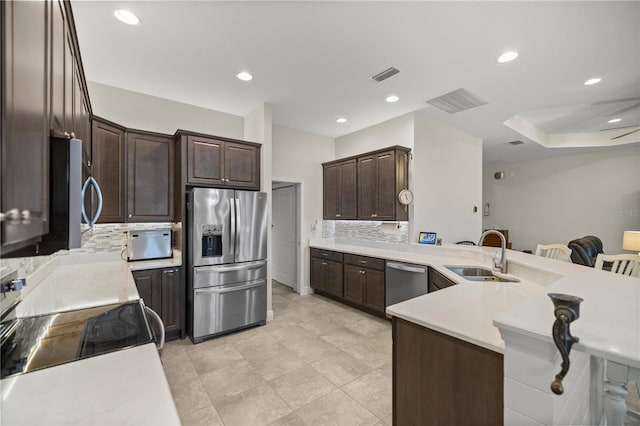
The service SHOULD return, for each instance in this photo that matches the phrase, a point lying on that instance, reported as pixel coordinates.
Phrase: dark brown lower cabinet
(163, 291)
(437, 281)
(353, 283)
(441, 380)
(359, 281)
(326, 276)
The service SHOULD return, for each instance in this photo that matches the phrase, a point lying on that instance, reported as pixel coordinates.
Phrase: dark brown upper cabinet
(205, 161)
(213, 161)
(25, 121)
(366, 186)
(340, 190)
(150, 177)
(222, 163)
(241, 167)
(109, 168)
(381, 176)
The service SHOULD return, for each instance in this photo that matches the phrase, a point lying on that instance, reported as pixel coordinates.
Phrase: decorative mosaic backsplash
(391, 232)
(108, 237)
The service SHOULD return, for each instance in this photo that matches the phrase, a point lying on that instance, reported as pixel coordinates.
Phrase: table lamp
(631, 241)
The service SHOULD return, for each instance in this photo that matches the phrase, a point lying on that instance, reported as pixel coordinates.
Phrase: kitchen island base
(441, 380)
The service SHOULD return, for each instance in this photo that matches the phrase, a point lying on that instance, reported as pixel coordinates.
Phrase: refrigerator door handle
(238, 226)
(232, 216)
(216, 269)
(230, 288)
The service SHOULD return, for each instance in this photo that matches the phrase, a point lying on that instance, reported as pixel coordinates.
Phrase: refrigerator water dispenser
(211, 240)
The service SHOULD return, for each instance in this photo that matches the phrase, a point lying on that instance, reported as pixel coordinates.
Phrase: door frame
(298, 184)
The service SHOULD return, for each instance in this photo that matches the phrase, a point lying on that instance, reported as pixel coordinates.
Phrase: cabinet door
(348, 189)
(108, 169)
(241, 165)
(78, 103)
(170, 288)
(148, 288)
(353, 283)
(316, 273)
(330, 192)
(437, 281)
(386, 186)
(25, 119)
(373, 296)
(332, 278)
(205, 161)
(57, 46)
(367, 188)
(68, 83)
(150, 178)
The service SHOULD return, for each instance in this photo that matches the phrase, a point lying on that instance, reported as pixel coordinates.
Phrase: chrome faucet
(502, 265)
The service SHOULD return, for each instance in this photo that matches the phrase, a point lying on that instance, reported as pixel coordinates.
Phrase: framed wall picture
(427, 238)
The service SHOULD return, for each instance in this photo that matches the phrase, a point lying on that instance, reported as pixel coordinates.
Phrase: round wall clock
(405, 197)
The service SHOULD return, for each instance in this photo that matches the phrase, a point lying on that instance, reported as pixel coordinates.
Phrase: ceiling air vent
(456, 101)
(389, 72)
(515, 143)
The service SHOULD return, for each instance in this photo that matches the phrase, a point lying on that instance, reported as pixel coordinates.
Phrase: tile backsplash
(391, 232)
(107, 237)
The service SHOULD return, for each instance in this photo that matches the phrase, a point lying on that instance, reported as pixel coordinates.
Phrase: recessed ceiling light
(126, 17)
(507, 57)
(594, 80)
(244, 76)
(392, 98)
(341, 120)
(615, 120)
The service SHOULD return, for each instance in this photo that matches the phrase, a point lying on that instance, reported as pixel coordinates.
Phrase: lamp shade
(631, 240)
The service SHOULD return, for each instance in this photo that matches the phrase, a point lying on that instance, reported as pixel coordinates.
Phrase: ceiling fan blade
(625, 134)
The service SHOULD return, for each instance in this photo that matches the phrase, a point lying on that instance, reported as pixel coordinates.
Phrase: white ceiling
(312, 61)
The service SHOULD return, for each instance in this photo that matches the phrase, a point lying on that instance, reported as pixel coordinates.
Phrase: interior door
(284, 235)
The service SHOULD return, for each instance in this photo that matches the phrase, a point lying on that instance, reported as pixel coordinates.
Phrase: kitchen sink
(475, 273)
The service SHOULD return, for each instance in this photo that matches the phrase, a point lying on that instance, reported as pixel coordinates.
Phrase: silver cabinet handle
(324, 263)
(338, 215)
(407, 268)
(374, 215)
(363, 261)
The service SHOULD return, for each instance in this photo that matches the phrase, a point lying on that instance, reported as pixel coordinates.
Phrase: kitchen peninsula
(125, 387)
(513, 321)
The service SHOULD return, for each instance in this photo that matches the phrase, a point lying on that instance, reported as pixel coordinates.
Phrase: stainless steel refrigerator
(227, 261)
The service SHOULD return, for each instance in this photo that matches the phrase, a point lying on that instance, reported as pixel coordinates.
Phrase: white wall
(446, 181)
(397, 131)
(139, 111)
(559, 199)
(258, 128)
(298, 155)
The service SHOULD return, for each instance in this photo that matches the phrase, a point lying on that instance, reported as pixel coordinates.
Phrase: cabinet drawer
(326, 254)
(365, 262)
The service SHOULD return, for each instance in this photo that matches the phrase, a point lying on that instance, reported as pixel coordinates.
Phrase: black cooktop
(34, 343)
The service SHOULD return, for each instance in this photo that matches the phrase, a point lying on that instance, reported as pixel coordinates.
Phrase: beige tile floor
(317, 363)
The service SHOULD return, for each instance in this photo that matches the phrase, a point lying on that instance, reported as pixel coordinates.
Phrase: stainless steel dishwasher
(405, 281)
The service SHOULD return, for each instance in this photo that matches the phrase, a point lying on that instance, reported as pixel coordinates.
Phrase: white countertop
(171, 262)
(126, 387)
(121, 388)
(609, 325)
(76, 281)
